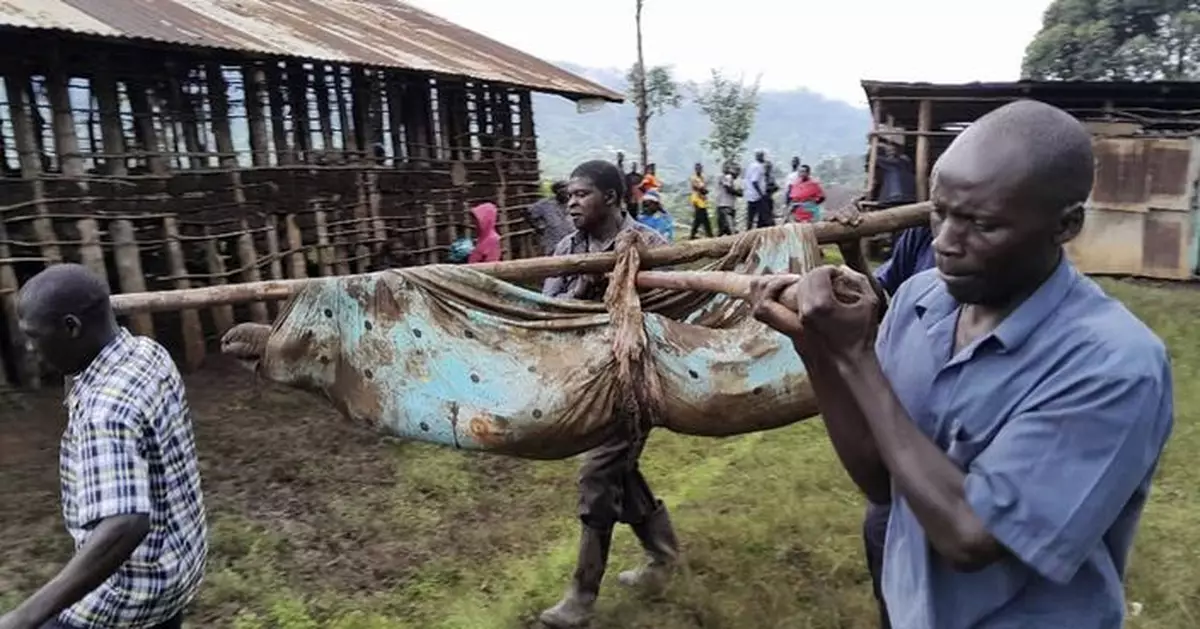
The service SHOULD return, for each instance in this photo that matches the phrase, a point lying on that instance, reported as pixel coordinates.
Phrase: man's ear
(1070, 223)
(73, 326)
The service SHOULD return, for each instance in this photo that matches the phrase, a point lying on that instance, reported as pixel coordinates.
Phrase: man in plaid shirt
(130, 480)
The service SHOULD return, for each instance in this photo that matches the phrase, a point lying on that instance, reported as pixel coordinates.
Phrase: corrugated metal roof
(386, 33)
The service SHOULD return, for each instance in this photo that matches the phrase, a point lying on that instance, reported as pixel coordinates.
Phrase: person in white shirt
(757, 202)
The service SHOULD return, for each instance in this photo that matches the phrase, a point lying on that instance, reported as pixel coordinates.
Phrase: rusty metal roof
(384, 33)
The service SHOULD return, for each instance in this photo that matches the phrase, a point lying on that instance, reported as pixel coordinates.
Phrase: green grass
(769, 524)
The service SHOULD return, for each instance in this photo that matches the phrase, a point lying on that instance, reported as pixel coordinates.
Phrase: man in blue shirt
(1011, 412)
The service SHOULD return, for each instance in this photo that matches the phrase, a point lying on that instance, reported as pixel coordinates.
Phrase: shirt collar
(627, 222)
(1017, 327)
(105, 361)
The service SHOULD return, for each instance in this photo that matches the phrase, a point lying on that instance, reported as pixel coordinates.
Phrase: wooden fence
(163, 169)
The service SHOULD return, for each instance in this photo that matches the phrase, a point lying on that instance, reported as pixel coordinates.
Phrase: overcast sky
(827, 45)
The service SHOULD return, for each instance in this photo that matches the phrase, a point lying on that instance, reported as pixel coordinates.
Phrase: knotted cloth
(448, 355)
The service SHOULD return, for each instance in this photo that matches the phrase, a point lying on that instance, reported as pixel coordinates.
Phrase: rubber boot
(577, 605)
(662, 553)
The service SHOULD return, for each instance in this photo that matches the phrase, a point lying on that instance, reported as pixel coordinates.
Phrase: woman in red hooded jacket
(487, 245)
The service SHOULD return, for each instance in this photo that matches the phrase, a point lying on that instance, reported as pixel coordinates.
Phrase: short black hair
(65, 289)
(604, 175)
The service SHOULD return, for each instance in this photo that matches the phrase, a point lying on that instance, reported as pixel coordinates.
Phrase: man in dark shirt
(549, 218)
(611, 487)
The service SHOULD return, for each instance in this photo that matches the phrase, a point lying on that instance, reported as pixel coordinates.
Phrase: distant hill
(789, 123)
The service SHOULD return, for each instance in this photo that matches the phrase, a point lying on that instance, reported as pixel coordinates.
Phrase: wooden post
(21, 113)
(222, 315)
(295, 241)
(218, 95)
(417, 113)
(325, 255)
(254, 81)
(143, 117)
(924, 124)
(66, 146)
(283, 155)
(431, 233)
(345, 116)
(297, 79)
(276, 264)
(181, 106)
(324, 111)
(873, 153)
(8, 305)
(192, 332)
(129, 271)
(395, 107)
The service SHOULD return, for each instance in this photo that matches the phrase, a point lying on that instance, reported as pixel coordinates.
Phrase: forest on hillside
(830, 135)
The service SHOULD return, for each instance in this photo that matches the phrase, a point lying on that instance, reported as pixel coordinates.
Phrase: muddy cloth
(448, 355)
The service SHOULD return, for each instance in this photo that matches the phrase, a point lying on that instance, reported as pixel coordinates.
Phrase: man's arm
(114, 503)
(108, 547)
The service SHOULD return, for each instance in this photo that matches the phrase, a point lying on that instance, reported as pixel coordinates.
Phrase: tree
(1102, 40)
(731, 107)
(651, 91)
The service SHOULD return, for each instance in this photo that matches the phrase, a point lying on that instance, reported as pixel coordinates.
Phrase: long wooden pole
(883, 221)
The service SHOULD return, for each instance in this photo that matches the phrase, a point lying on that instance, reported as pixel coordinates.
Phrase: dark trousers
(174, 623)
(725, 217)
(875, 523)
(758, 214)
(700, 221)
(611, 486)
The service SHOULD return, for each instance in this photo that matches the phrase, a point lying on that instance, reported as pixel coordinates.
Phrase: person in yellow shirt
(699, 199)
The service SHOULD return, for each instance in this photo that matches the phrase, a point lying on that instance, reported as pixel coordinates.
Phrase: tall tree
(1116, 40)
(731, 107)
(651, 91)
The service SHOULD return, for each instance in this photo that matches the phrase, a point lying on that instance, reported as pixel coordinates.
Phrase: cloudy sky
(826, 45)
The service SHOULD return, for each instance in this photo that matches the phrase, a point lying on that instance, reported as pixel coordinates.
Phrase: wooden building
(180, 143)
(1144, 210)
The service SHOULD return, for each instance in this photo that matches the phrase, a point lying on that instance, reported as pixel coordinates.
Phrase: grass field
(315, 524)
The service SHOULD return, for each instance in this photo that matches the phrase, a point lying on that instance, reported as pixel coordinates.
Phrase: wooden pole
(924, 122)
(254, 85)
(888, 220)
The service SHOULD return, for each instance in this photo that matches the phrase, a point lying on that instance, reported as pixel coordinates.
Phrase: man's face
(805, 173)
(988, 244)
(586, 205)
(55, 342)
(699, 169)
(795, 163)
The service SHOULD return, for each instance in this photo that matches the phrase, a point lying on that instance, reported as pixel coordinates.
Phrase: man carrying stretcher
(1010, 412)
(611, 487)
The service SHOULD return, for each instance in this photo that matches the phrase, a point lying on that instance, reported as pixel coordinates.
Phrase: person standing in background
(755, 186)
(633, 190)
(699, 199)
(549, 218)
(653, 215)
(728, 191)
(792, 176)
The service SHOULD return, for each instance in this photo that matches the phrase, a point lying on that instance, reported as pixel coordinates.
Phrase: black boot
(576, 607)
(662, 552)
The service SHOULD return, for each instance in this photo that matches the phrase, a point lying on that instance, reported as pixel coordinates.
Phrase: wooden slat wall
(164, 171)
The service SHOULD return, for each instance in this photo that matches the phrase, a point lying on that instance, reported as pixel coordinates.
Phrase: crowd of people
(642, 199)
(1002, 416)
